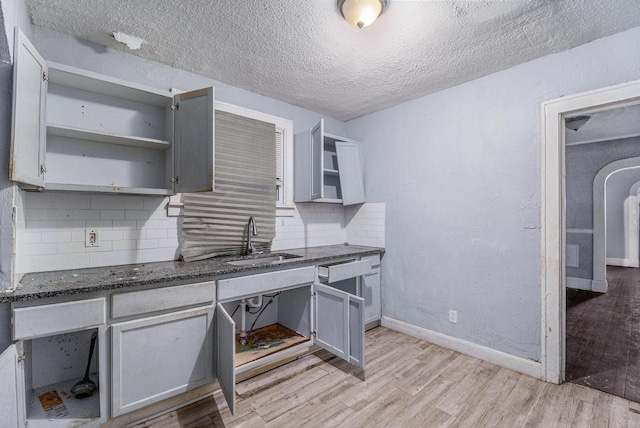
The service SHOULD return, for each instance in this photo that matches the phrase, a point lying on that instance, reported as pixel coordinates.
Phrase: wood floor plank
(454, 390)
(603, 335)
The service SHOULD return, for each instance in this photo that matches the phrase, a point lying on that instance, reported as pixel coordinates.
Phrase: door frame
(553, 221)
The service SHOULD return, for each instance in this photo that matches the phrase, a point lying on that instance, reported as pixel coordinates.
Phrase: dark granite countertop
(76, 281)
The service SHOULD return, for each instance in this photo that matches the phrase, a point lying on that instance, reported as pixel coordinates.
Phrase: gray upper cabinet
(327, 168)
(29, 80)
(82, 131)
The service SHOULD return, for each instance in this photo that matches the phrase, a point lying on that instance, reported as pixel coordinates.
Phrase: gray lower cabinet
(321, 315)
(161, 356)
(48, 357)
(359, 277)
(12, 392)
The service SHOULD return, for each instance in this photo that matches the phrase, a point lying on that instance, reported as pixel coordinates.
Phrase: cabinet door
(194, 141)
(339, 323)
(12, 394)
(158, 357)
(350, 167)
(317, 148)
(28, 131)
(371, 293)
(226, 356)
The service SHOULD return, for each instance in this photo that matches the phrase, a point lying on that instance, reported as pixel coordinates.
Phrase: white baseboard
(599, 285)
(579, 283)
(614, 261)
(522, 365)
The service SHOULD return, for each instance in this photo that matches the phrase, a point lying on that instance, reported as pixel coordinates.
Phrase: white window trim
(286, 126)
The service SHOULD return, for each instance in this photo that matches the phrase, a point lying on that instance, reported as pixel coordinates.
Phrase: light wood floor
(408, 383)
(603, 335)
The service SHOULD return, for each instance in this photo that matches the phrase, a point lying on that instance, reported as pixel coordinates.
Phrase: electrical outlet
(92, 238)
(453, 316)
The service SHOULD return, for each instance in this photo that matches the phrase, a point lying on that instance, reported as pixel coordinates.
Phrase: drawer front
(375, 260)
(252, 285)
(160, 299)
(39, 321)
(339, 271)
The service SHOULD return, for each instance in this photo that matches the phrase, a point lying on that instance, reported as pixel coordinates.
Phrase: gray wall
(459, 171)
(583, 163)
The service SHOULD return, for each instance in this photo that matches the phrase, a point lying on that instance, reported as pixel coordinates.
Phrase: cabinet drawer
(334, 272)
(39, 321)
(160, 299)
(375, 260)
(252, 285)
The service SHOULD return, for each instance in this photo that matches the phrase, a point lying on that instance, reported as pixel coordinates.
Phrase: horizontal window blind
(215, 223)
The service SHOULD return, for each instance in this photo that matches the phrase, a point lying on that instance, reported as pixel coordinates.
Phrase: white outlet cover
(453, 316)
(92, 238)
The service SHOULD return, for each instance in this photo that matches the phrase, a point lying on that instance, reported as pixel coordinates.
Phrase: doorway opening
(554, 219)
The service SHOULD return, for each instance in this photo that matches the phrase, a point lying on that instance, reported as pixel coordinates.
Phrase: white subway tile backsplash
(57, 200)
(147, 243)
(168, 243)
(113, 258)
(147, 224)
(136, 229)
(112, 215)
(129, 244)
(41, 225)
(156, 233)
(30, 237)
(111, 235)
(159, 254)
(117, 202)
(85, 215)
(70, 247)
(136, 215)
(56, 237)
(154, 204)
(39, 249)
(99, 224)
(124, 224)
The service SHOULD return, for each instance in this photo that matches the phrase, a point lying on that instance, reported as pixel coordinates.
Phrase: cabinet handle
(45, 78)
(174, 179)
(42, 169)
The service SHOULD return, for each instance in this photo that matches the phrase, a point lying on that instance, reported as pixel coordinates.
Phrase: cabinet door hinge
(43, 169)
(174, 179)
(175, 106)
(44, 77)
(313, 333)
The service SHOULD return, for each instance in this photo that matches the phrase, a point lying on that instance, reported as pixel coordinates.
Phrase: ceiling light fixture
(362, 12)
(576, 122)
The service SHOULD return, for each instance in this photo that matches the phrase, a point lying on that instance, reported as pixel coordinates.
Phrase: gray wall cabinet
(82, 131)
(327, 168)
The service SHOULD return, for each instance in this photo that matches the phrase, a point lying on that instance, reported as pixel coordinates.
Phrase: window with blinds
(215, 223)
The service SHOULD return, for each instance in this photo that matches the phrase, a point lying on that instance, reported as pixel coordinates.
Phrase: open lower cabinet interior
(292, 319)
(49, 382)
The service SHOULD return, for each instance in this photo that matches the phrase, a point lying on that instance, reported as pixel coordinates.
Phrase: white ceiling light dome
(361, 13)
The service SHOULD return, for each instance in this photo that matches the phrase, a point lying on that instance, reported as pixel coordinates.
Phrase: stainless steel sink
(263, 259)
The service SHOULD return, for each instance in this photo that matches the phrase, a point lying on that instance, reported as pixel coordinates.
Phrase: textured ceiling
(304, 53)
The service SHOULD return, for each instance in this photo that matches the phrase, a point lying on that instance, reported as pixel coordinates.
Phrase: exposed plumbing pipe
(254, 302)
(243, 327)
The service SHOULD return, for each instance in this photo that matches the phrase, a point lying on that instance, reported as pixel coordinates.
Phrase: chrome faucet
(252, 230)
